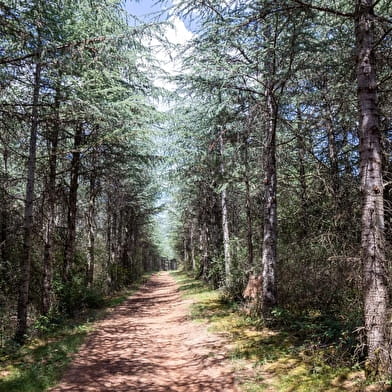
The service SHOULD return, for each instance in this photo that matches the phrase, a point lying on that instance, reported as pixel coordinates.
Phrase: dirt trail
(149, 345)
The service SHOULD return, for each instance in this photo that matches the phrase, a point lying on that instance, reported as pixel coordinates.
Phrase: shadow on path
(148, 345)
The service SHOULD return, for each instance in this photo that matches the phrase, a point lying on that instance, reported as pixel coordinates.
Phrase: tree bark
(112, 235)
(69, 249)
(248, 202)
(186, 253)
(47, 278)
(109, 243)
(25, 260)
(205, 254)
(192, 245)
(203, 249)
(225, 222)
(303, 188)
(269, 256)
(5, 214)
(372, 230)
(91, 230)
(333, 161)
(301, 151)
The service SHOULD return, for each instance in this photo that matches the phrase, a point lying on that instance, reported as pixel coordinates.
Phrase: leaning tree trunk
(372, 238)
(269, 257)
(25, 260)
(69, 249)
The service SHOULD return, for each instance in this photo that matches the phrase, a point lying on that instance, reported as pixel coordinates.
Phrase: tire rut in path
(147, 344)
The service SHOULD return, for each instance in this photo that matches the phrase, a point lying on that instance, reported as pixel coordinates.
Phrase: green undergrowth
(40, 363)
(272, 359)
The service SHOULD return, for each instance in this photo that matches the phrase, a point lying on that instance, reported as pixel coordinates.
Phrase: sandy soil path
(149, 345)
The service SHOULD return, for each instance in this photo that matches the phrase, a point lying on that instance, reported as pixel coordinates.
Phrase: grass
(40, 363)
(269, 360)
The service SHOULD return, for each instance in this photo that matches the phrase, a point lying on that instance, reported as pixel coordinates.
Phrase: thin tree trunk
(47, 278)
(203, 249)
(348, 167)
(69, 249)
(334, 169)
(248, 202)
(269, 256)
(333, 160)
(372, 238)
(269, 253)
(121, 243)
(225, 223)
(91, 231)
(111, 243)
(205, 238)
(301, 149)
(186, 253)
(25, 260)
(4, 228)
(4, 210)
(303, 188)
(114, 247)
(192, 245)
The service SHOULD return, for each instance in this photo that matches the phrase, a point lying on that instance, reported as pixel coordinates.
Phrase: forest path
(148, 344)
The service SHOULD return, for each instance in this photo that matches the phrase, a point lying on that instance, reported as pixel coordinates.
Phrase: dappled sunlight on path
(149, 345)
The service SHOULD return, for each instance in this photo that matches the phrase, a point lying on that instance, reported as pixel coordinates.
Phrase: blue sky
(143, 8)
(149, 10)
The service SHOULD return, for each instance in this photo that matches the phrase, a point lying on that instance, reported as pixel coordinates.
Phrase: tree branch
(379, 41)
(375, 3)
(324, 9)
(67, 46)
